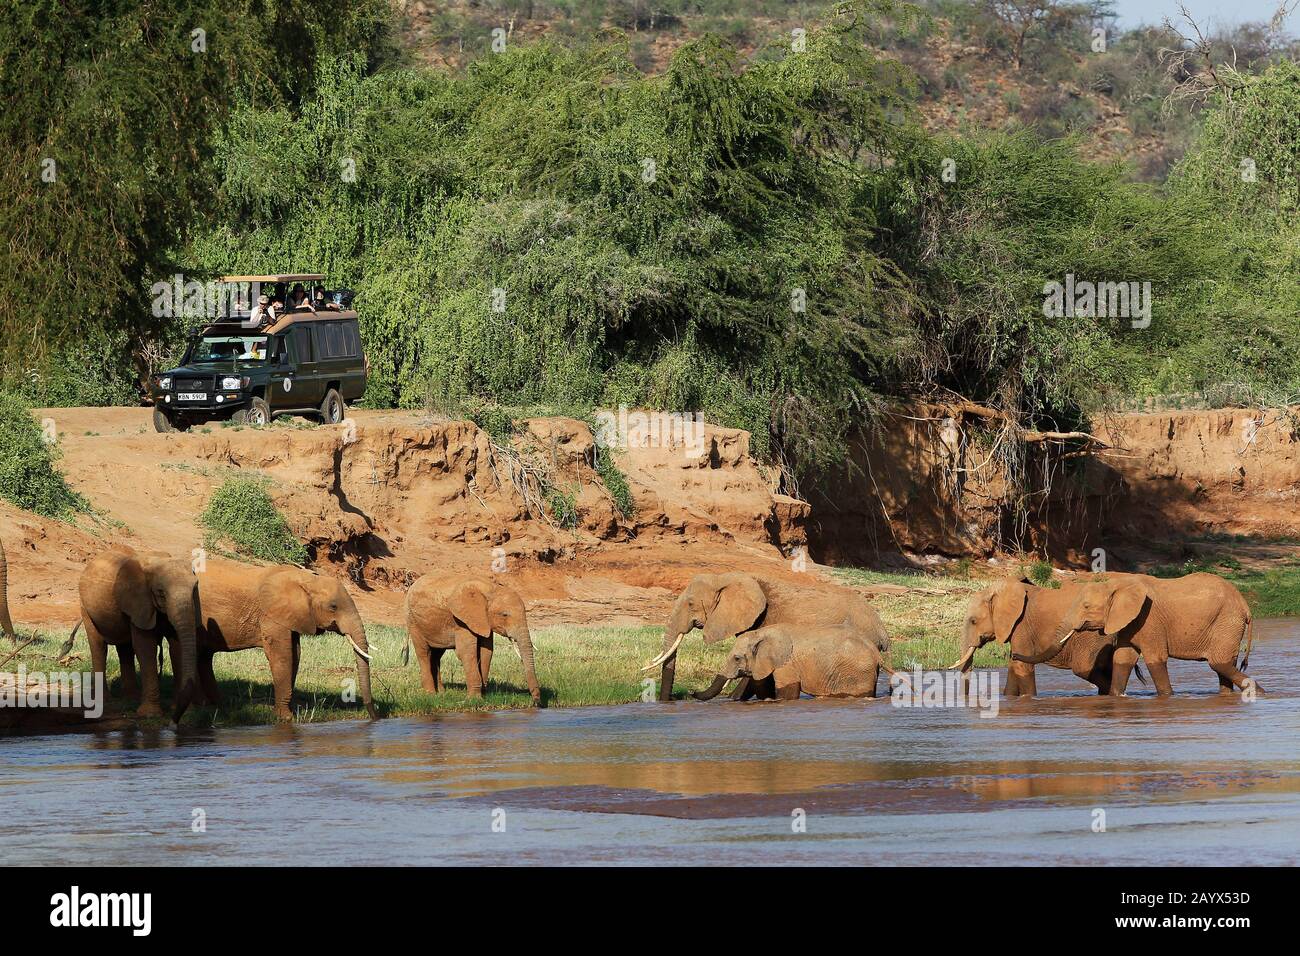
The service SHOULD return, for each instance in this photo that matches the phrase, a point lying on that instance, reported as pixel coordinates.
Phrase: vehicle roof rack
(286, 277)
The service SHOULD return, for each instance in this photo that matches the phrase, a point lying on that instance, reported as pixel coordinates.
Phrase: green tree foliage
(108, 123)
(29, 477)
(553, 226)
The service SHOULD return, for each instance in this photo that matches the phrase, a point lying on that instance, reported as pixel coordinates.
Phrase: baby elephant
(821, 661)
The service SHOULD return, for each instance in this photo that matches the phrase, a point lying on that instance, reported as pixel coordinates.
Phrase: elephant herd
(786, 642)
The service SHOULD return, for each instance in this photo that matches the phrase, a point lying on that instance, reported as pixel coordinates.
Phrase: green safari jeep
(251, 368)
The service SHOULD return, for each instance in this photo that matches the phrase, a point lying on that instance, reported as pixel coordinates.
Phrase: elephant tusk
(1067, 637)
(515, 647)
(665, 655)
(962, 661)
(358, 649)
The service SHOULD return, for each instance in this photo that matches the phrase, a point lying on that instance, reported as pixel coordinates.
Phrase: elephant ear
(1125, 605)
(740, 602)
(285, 601)
(468, 604)
(771, 650)
(134, 596)
(1008, 604)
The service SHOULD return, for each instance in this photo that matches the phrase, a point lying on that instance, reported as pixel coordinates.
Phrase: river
(1069, 778)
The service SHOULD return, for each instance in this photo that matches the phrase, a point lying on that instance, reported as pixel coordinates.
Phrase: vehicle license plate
(193, 396)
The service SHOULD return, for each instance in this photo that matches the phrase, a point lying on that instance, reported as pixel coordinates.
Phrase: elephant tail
(406, 651)
(66, 649)
(1137, 672)
(1249, 634)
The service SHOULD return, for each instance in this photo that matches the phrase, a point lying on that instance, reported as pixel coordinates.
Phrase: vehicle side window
(302, 345)
(353, 339)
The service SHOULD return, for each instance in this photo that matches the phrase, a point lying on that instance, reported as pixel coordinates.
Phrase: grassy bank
(577, 666)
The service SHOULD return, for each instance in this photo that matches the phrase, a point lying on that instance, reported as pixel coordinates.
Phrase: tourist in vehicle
(261, 313)
(298, 298)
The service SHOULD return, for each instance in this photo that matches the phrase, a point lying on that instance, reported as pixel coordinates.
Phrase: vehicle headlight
(230, 383)
(165, 382)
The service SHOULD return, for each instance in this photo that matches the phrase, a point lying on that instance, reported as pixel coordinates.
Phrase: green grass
(242, 514)
(925, 624)
(576, 666)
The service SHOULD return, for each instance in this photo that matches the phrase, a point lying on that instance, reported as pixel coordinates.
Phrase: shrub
(242, 513)
(1040, 573)
(563, 506)
(615, 482)
(28, 476)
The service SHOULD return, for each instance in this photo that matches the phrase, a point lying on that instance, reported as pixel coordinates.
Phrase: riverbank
(578, 666)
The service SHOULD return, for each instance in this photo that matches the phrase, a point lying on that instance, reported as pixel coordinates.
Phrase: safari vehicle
(303, 361)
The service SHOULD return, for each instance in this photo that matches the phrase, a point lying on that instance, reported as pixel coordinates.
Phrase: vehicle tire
(332, 409)
(256, 414)
(162, 423)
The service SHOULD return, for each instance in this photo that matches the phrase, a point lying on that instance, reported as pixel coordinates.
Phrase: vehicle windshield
(230, 348)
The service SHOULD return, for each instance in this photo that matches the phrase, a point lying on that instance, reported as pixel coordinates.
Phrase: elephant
(272, 608)
(463, 613)
(727, 605)
(133, 602)
(6, 623)
(820, 661)
(1026, 616)
(1197, 617)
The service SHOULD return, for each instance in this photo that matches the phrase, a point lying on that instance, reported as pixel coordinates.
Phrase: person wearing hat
(263, 313)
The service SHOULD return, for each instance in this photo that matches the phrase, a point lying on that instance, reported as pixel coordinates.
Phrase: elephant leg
(279, 654)
(1160, 675)
(467, 651)
(1225, 684)
(98, 649)
(428, 671)
(435, 668)
(1028, 683)
(1122, 662)
(207, 679)
(146, 650)
(297, 656)
(1227, 671)
(788, 691)
(126, 660)
(484, 659)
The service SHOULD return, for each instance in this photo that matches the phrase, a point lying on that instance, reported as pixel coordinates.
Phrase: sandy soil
(402, 495)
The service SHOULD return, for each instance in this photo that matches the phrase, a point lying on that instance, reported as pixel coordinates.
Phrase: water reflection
(1182, 781)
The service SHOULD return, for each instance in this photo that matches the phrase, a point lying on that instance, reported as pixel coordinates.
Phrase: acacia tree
(1017, 20)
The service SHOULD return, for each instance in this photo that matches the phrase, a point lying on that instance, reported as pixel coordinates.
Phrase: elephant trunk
(1063, 631)
(713, 690)
(180, 611)
(355, 632)
(524, 642)
(6, 625)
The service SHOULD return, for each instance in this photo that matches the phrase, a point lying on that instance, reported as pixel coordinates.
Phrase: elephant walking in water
(462, 613)
(1198, 617)
(1027, 618)
(727, 605)
(271, 609)
(133, 602)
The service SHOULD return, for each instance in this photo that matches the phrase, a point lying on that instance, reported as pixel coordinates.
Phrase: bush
(28, 477)
(615, 483)
(242, 513)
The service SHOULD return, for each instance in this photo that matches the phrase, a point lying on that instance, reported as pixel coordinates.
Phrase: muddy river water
(1196, 779)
